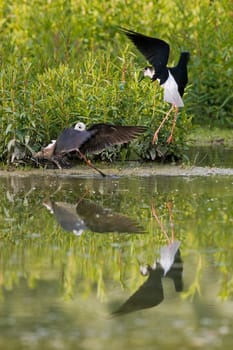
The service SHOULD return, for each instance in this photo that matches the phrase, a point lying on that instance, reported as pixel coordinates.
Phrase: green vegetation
(63, 61)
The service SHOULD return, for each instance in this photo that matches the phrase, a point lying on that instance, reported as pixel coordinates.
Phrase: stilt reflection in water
(169, 265)
(87, 215)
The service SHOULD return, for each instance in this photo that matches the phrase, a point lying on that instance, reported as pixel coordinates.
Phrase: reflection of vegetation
(195, 285)
(34, 246)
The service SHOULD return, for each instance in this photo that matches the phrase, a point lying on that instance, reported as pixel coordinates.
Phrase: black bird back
(180, 72)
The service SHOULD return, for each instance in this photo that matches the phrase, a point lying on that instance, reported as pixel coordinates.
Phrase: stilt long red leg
(88, 162)
(159, 222)
(155, 138)
(173, 125)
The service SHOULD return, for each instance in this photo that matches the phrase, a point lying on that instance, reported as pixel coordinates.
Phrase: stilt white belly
(171, 93)
(167, 255)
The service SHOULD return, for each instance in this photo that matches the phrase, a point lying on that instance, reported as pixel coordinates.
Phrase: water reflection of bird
(92, 140)
(150, 293)
(169, 265)
(169, 253)
(66, 216)
(176, 272)
(86, 215)
(172, 79)
(103, 219)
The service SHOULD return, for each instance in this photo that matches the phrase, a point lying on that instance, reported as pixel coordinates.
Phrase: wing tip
(128, 32)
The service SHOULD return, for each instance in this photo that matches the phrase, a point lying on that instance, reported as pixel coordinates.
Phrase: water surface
(215, 155)
(65, 277)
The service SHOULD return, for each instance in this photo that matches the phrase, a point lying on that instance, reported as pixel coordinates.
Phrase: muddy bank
(128, 169)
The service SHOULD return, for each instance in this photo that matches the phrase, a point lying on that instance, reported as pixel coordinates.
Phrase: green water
(215, 155)
(59, 290)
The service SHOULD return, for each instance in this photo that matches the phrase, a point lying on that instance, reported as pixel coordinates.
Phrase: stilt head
(80, 126)
(147, 72)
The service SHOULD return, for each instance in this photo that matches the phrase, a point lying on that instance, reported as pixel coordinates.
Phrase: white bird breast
(171, 93)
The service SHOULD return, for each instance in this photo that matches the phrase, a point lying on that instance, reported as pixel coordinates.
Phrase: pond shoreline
(118, 170)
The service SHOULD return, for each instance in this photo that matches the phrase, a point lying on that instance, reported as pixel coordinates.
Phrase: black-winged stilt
(172, 79)
(88, 141)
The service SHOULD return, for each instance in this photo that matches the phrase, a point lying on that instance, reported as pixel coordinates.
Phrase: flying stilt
(172, 79)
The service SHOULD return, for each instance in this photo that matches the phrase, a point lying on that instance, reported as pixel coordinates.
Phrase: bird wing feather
(155, 50)
(100, 219)
(106, 135)
(149, 294)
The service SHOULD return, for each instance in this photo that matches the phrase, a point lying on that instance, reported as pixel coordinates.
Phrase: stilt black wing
(155, 50)
(106, 135)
